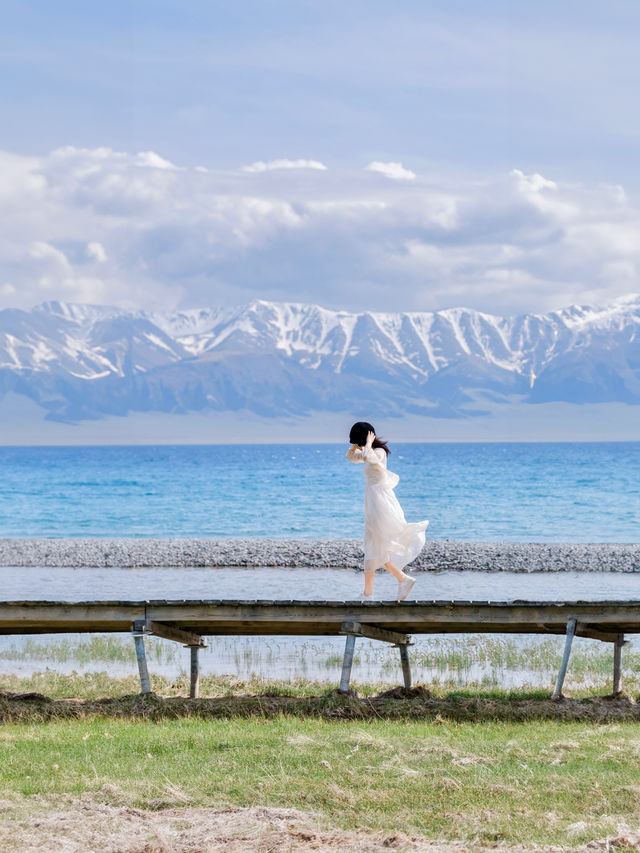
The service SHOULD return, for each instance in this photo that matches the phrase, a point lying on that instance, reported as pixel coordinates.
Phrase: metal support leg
(347, 663)
(145, 684)
(195, 673)
(406, 668)
(571, 630)
(617, 661)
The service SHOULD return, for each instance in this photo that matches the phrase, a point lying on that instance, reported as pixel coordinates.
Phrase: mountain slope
(84, 361)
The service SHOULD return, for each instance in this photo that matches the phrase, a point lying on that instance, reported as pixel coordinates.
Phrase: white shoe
(405, 587)
(364, 597)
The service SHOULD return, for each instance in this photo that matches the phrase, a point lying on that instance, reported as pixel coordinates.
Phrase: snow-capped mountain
(87, 361)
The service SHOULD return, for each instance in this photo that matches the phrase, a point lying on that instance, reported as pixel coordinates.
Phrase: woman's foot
(404, 587)
(366, 597)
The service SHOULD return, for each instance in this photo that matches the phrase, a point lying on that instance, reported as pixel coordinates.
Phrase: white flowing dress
(387, 536)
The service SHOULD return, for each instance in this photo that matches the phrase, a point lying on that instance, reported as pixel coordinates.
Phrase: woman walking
(389, 540)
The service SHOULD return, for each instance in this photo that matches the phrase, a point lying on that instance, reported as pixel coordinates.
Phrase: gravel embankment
(315, 553)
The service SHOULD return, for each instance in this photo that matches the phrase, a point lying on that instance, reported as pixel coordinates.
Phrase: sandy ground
(86, 826)
(316, 553)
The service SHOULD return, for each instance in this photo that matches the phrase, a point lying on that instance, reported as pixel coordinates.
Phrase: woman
(389, 541)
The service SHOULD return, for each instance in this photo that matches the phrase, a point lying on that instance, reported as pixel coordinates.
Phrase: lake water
(585, 492)
(139, 584)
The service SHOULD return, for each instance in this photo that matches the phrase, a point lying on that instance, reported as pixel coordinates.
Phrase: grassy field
(460, 765)
(552, 783)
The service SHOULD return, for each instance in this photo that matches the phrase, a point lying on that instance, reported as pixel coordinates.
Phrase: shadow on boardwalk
(418, 703)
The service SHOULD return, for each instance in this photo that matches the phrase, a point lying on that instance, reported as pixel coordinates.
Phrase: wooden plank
(52, 617)
(373, 633)
(285, 628)
(599, 620)
(593, 632)
(170, 632)
(69, 612)
(391, 614)
(321, 629)
(318, 624)
(216, 602)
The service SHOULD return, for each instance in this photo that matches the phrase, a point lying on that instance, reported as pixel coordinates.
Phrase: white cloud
(159, 237)
(533, 183)
(96, 252)
(261, 166)
(42, 251)
(153, 161)
(392, 170)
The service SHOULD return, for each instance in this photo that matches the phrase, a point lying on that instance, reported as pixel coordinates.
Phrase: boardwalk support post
(138, 637)
(347, 663)
(571, 630)
(356, 629)
(194, 686)
(617, 662)
(189, 639)
(406, 668)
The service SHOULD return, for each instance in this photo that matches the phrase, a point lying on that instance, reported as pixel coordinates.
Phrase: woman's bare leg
(398, 574)
(368, 582)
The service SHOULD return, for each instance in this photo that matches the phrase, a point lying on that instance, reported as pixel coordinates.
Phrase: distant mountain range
(82, 362)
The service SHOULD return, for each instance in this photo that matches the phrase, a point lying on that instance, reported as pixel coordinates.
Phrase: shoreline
(437, 556)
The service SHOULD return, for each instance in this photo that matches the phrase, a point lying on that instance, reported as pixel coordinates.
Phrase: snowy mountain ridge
(88, 361)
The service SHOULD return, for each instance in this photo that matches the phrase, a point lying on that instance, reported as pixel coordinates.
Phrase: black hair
(358, 435)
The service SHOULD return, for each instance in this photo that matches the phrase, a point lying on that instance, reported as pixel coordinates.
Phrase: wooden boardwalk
(189, 622)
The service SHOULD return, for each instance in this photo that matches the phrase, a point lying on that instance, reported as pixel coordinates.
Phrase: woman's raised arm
(354, 454)
(372, 455)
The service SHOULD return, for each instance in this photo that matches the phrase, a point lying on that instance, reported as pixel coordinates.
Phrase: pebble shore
(315, 553)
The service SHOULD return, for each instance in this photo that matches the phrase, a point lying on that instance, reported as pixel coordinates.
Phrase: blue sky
(460, 93)
(541, 86)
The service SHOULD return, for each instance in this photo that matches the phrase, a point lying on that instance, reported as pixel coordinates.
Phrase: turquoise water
(586, 492)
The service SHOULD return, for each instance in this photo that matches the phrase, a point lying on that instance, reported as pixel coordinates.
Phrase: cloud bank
(138, 231)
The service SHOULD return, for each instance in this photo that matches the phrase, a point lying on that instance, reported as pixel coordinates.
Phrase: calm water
(305, 584)
(587, 492)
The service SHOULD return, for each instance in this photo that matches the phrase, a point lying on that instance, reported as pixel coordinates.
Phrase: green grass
(90, 686)
(495, 781)
(494, 765)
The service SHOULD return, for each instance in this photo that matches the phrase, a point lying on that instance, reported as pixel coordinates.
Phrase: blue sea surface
(583, 492)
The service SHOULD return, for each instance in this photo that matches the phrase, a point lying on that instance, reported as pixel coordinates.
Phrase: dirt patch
(417, 703)
(417, 692)
(78, 826)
